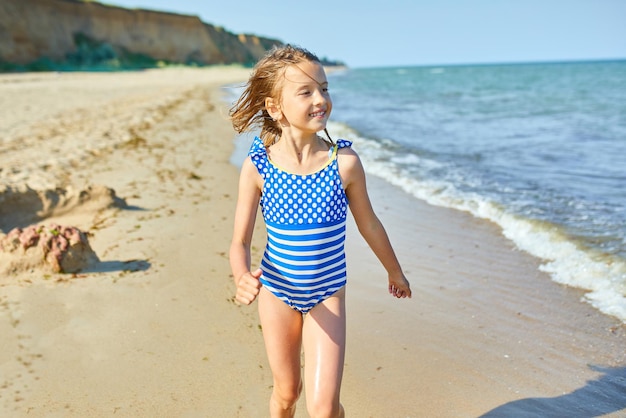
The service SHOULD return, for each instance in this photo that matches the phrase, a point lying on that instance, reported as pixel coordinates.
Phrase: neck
(300, 147)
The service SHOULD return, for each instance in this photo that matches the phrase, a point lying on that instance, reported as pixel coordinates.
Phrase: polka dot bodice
(293, 199)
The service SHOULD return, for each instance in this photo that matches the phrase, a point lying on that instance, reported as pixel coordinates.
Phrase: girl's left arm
(370, 227)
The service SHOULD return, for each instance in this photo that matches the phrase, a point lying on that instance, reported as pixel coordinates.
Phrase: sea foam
(602, 277)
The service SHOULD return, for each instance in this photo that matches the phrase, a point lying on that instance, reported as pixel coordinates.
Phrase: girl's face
(305, 101)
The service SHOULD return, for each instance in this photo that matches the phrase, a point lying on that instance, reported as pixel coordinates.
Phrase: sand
(151, 329)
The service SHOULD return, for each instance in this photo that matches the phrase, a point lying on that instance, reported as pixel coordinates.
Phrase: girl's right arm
(247, 282)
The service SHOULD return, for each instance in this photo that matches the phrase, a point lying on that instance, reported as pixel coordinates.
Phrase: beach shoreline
(153, 330)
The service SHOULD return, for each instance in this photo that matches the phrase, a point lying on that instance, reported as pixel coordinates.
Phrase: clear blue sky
(377, 33)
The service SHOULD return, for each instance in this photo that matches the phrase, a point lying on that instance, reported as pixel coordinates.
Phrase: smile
(317, 114)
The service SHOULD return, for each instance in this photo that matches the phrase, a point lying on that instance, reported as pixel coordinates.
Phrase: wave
(602, 276)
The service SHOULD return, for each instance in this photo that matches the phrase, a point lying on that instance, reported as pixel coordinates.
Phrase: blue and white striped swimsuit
(305, 215)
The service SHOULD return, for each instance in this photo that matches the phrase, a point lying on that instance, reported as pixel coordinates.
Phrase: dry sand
(152, 331)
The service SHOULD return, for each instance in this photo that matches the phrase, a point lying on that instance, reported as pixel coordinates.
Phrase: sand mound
(29, 244)
(56, 248)
(21, 206)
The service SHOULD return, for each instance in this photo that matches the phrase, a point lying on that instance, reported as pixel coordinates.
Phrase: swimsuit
(305, 215)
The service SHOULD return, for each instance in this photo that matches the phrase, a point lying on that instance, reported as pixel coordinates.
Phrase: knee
(321, 409)
(286, 396)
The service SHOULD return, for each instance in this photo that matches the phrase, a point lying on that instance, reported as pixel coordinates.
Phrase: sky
(380, 33)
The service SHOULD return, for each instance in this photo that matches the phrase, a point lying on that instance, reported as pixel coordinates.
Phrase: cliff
(53, 33)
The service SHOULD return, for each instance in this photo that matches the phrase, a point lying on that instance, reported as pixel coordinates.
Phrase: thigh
(282, 333)
(324, 339)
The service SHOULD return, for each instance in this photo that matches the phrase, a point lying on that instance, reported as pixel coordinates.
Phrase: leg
(324, 338)
(282, 332)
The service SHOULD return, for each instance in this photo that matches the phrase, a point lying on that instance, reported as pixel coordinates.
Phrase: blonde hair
(265, 81)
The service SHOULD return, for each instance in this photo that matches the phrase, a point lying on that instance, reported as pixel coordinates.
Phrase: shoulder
(345, 153)
(257, 155)
(250, 174)
(350, 167)
(249, 168)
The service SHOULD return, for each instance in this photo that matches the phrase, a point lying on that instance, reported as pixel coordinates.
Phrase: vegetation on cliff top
(92, 55)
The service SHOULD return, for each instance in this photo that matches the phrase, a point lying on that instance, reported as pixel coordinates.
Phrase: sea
(537, 148)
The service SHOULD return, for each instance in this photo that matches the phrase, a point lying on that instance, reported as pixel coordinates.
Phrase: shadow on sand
(605, 395)
(116, 265)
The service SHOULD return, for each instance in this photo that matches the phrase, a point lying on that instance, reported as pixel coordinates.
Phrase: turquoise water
(539, 149)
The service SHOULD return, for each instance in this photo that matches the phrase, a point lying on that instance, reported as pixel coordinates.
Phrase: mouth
(319, 114)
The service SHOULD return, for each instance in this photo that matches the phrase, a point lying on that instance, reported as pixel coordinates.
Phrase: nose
(321, 96)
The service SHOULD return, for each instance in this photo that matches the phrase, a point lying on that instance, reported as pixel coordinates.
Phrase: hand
(248, 287)
(399, 287)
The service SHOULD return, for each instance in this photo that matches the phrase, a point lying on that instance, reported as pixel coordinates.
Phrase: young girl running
(303, 184)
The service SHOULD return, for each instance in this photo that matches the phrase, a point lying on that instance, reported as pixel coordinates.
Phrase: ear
(273, 108)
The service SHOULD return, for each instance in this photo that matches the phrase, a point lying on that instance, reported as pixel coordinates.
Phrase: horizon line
(486, 63)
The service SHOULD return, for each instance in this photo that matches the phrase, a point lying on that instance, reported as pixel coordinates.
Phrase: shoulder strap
(343, 143)
(257, 148)
(258, 155)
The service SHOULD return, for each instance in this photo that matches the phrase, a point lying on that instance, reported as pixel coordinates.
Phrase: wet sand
(152, 329)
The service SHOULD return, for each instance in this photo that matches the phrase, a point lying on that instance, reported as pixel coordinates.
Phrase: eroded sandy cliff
(66, 30)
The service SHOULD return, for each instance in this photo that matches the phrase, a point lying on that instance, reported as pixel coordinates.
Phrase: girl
(303, 184)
